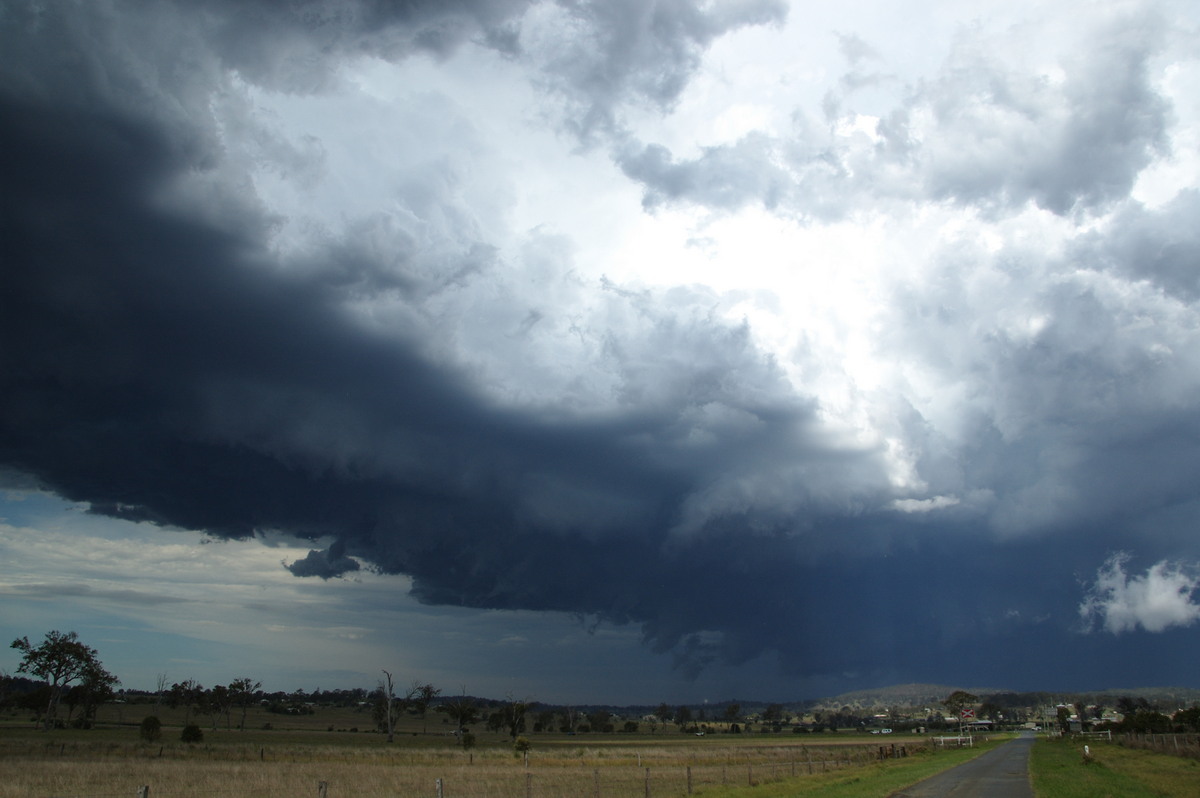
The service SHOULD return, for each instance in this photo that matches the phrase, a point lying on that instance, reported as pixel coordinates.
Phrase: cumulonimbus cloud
(1162, 598)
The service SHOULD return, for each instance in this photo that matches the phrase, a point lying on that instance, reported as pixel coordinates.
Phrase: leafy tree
(733, 712)
(421, 696)
(188, 694)
(683, 716)
(600, 720)
(990, 710)
(543, 720)
(960, 700)
(94, 688)
(1189, 718)
(513, 715)
(463, 711)
(664, 713)
(521, 746)
(192, 734)
(151, 728)
(60, 659)
(241, 693)
(1130, 706)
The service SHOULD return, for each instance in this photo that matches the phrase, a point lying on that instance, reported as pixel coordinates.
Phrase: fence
(1187, 745)
(552, 780)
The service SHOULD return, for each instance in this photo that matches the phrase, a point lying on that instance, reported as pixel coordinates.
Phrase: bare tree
(386, 687)
(160, 685)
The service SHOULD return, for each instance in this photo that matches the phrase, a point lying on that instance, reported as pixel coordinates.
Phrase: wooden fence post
(596, 780)
(322, 789)
(144, 791)
(647, 782)
(438, 783)
(689, 779)
(528, 785)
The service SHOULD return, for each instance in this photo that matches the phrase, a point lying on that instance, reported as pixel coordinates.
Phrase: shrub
(521, 745)
(151, 728)
(192, 734)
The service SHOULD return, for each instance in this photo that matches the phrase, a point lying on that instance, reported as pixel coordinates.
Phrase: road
(1000, 773)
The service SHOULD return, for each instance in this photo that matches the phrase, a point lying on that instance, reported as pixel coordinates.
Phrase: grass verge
(1058, 771)
(874, 781)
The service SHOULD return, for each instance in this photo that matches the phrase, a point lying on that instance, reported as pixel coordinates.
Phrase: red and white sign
(967, 713)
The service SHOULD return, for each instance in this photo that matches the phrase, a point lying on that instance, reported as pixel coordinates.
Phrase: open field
(299, 753)
(1059, 771)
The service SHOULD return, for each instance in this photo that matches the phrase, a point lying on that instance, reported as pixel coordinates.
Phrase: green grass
(874, 781)
(1059, 771)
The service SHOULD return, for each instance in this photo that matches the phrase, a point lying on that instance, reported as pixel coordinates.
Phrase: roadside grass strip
(1058, 770)
(877, 780)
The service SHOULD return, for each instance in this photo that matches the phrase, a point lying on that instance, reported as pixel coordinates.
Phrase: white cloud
(1162, 598)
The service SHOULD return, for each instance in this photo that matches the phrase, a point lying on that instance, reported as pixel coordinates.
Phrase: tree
(683, 716)
(241, 693)
(151, 728)
(599, 720)
(959, 700)
(219, 701)
(422, 696)
(732, 713)
(59, 660)
(387, 701)
(463, 712)
(94, 688)
(188, 694)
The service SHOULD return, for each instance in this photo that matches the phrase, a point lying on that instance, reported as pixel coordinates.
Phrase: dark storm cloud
(161, 367)
(163, 361)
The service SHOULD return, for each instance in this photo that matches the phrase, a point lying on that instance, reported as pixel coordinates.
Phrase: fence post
(439, 788)
(528, 785)
(322, 789)
(596, 779)
(647, 782)
(689, 779)
(749, 775)
(144, 791)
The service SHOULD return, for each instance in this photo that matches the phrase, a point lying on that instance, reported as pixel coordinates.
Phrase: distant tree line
(66, 672)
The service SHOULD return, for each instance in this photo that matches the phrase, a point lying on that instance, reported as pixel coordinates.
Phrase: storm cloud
(226, 307)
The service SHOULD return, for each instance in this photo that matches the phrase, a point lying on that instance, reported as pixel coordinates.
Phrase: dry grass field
(299, 753)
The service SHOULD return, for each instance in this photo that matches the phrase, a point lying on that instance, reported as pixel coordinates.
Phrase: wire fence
(550, 778)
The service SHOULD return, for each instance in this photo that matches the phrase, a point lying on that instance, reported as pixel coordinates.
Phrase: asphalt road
(1000, 773)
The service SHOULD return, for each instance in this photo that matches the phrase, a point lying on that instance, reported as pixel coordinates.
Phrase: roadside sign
(967, 713)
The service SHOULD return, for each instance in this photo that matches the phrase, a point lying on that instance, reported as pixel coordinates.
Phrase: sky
(603, 352)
